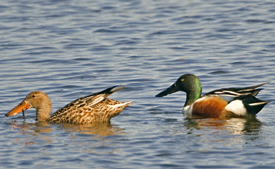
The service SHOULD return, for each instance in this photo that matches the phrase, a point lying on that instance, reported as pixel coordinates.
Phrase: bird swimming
(85, 110)
(221, 103)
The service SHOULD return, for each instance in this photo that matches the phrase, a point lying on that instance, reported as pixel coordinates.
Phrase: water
(69, 49)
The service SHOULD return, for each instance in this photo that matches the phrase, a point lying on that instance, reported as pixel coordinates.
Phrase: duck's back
(89, 109)
(84, 114)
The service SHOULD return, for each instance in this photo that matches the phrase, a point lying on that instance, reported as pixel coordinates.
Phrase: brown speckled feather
(86, 110)
(81, 112)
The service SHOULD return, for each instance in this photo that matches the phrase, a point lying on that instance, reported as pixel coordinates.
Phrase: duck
(89, 109)
(220, 103)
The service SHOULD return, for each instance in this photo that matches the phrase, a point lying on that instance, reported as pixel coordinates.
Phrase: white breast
(187, 111)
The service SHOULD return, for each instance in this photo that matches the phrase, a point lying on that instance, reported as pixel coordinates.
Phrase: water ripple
(69, 49)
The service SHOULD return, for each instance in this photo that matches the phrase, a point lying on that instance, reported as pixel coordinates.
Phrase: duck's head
(188, 83)
(36, 99)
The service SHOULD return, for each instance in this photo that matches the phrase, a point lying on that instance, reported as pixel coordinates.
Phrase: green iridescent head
(188, 83)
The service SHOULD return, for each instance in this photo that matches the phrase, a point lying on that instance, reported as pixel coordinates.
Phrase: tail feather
(251, 89)
(253, 105)
(113, 91)
(256, 92)
(106, 91)
(99, 96)
(256, 86)
(237, 92)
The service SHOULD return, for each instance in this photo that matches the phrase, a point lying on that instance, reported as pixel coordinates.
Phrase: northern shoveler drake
(85, 110)
(221, 103)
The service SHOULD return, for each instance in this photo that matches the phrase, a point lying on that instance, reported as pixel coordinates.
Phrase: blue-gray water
(69, 49)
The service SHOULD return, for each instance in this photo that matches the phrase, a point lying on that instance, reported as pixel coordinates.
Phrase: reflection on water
(88, 138)
(229, 132)
(24, 128)
(248, 125)
(99, 143)
(98, 129)
(69, 49)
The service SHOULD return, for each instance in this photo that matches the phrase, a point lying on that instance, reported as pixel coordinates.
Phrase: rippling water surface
(69, 49)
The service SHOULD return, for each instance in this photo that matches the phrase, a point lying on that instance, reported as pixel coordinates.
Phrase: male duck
(85, 110)
(221, 103)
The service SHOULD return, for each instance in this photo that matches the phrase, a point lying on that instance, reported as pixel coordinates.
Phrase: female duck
(221, 103)
(85, 110)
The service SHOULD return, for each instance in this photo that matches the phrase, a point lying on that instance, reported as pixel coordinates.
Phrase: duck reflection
(82, 138)
(39, 127)
(98, 129)
(249, 125)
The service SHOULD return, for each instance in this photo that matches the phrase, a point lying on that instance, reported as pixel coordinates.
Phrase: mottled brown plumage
(85, 110)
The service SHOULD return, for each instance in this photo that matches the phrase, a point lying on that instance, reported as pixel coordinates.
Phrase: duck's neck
(192, 95)
(43, 113)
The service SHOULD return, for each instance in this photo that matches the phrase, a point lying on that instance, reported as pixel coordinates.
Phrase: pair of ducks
(221, 103)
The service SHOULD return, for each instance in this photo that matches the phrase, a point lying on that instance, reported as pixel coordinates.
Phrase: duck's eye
(182, 80)
(33, 96)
